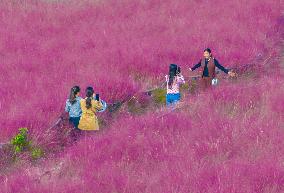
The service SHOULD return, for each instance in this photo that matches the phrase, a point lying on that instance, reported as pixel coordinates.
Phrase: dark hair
(72, 97)
(173, 71)
(178, 70)
(89, 95)
(207, 50)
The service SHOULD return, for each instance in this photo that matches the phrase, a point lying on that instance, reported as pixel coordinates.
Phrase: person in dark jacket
(209, 64)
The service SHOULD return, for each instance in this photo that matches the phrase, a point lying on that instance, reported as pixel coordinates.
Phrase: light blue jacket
(74, 110)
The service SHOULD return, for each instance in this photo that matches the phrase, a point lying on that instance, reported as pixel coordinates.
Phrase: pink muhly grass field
(233, 143)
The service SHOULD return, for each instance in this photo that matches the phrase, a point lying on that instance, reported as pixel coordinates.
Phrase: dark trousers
(76, 132)
(74, 121)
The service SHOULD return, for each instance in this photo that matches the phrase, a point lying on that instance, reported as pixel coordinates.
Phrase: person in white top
(174, 80)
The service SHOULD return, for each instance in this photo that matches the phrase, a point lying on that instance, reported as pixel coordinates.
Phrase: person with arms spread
(209, 64)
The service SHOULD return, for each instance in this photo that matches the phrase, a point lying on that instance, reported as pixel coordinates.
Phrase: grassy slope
(238, 149)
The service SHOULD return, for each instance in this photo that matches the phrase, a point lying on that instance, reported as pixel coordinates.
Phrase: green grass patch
(22, 143)
(159, 96)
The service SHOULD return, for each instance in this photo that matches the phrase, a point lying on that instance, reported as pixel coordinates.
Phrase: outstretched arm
(195, 66)
(218, 65)
(97, 105)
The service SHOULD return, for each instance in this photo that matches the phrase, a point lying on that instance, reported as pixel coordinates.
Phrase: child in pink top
(174, 80)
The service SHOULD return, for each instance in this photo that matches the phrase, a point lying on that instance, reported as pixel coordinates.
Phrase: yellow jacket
(89, 120)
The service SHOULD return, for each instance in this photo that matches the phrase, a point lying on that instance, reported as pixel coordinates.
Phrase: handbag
(214, 82)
